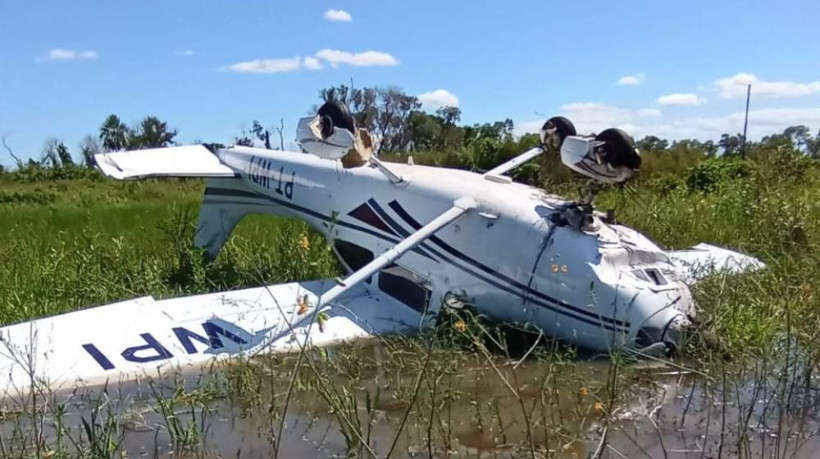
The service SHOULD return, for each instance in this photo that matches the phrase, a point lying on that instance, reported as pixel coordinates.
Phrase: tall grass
(745, 384)
(125, 240)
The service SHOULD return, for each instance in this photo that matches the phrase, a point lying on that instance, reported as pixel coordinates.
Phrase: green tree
(814, 146)
(56, 154)
(151, 133)
(114, 134)
(730, 144)
(392, 112)
(799, 136)
(383, 111)
(710, 148)
(88, 148)
(261, 133)
(651, 143)
(422, 131)
(451, 134)
(361, 103)
(499, 130)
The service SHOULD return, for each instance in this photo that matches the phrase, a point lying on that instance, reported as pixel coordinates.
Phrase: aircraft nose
(662, 340)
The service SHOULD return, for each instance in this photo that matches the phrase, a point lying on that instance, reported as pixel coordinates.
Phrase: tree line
(114, 135)
(402, 127)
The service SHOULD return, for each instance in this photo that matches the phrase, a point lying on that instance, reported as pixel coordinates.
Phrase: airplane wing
(703, 260)
(135, 338)
(185, 161)
(139, 337)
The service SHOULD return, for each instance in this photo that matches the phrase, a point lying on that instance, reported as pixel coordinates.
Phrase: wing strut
(515, 162)
(460, 206)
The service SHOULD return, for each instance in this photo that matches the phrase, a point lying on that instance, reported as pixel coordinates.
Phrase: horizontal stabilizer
(705, 259)
(185, 161)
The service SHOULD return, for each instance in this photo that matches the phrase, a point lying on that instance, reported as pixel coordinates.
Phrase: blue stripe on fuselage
(229, 192)
(451, 250)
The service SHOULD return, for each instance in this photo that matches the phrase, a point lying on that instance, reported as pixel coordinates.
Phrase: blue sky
(209, 67)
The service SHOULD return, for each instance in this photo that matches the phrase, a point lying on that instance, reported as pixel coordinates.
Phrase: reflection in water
(466, 403)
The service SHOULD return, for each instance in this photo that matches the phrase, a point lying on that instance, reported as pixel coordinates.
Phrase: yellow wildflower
(598, 408)
(583, 392)
(304, 243)
(303, 305)
(461, 326)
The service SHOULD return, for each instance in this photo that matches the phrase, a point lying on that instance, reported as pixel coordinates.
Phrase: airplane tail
(225, 203)
(226, 200)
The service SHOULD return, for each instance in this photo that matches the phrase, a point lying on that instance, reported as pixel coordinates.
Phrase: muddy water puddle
(408, 402)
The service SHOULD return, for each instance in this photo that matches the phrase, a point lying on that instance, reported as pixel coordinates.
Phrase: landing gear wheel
(555, 130)
(620, 148)
(335, 114)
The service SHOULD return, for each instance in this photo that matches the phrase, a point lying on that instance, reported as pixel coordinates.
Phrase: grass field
(70, 244)
(94, 242)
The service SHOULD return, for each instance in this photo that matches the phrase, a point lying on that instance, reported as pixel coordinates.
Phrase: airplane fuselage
(515, 258)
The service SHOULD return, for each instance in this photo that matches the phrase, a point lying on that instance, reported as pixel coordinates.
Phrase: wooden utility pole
(745, 121)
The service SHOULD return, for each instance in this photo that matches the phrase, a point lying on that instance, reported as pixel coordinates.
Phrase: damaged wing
(139, 337)
(704, 260)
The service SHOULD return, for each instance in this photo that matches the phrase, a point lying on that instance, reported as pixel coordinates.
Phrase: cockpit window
(651, 275)
(405, 286)
(354, 256)
(656, 276)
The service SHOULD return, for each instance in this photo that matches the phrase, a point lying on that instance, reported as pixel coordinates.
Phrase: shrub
(710, 174)
(27, 197)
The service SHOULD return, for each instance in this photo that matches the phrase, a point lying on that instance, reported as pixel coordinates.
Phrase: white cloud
(680, 99)
(338, 15)
(734, 87)
(311, 63)
(649, 113)
(761, 122)
(595, 117)
(60, 54)
(270, 65)
(437, 99)
(184, 52)
(363, 59)
(330, 56)
(631, 80)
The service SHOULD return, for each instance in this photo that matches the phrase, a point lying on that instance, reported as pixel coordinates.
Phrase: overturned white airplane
(413, 238)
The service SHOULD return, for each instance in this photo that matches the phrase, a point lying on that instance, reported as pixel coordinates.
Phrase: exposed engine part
(455, 301)
(577, 216)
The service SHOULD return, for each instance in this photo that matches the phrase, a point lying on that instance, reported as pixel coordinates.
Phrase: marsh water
(463, 404)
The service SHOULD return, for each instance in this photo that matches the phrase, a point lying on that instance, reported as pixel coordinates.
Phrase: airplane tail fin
(226, 200)
(185, 161)
(225, 203)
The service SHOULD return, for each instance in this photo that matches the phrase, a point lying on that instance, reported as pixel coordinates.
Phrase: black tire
(621, 148)
(563, 128)
(336, 114)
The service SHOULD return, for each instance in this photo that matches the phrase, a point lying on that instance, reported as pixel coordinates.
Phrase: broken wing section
(141, 337)
(185, 161)
(704, 260)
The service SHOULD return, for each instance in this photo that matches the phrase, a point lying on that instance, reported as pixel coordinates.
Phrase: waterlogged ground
(746, 384)
(465, 403)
